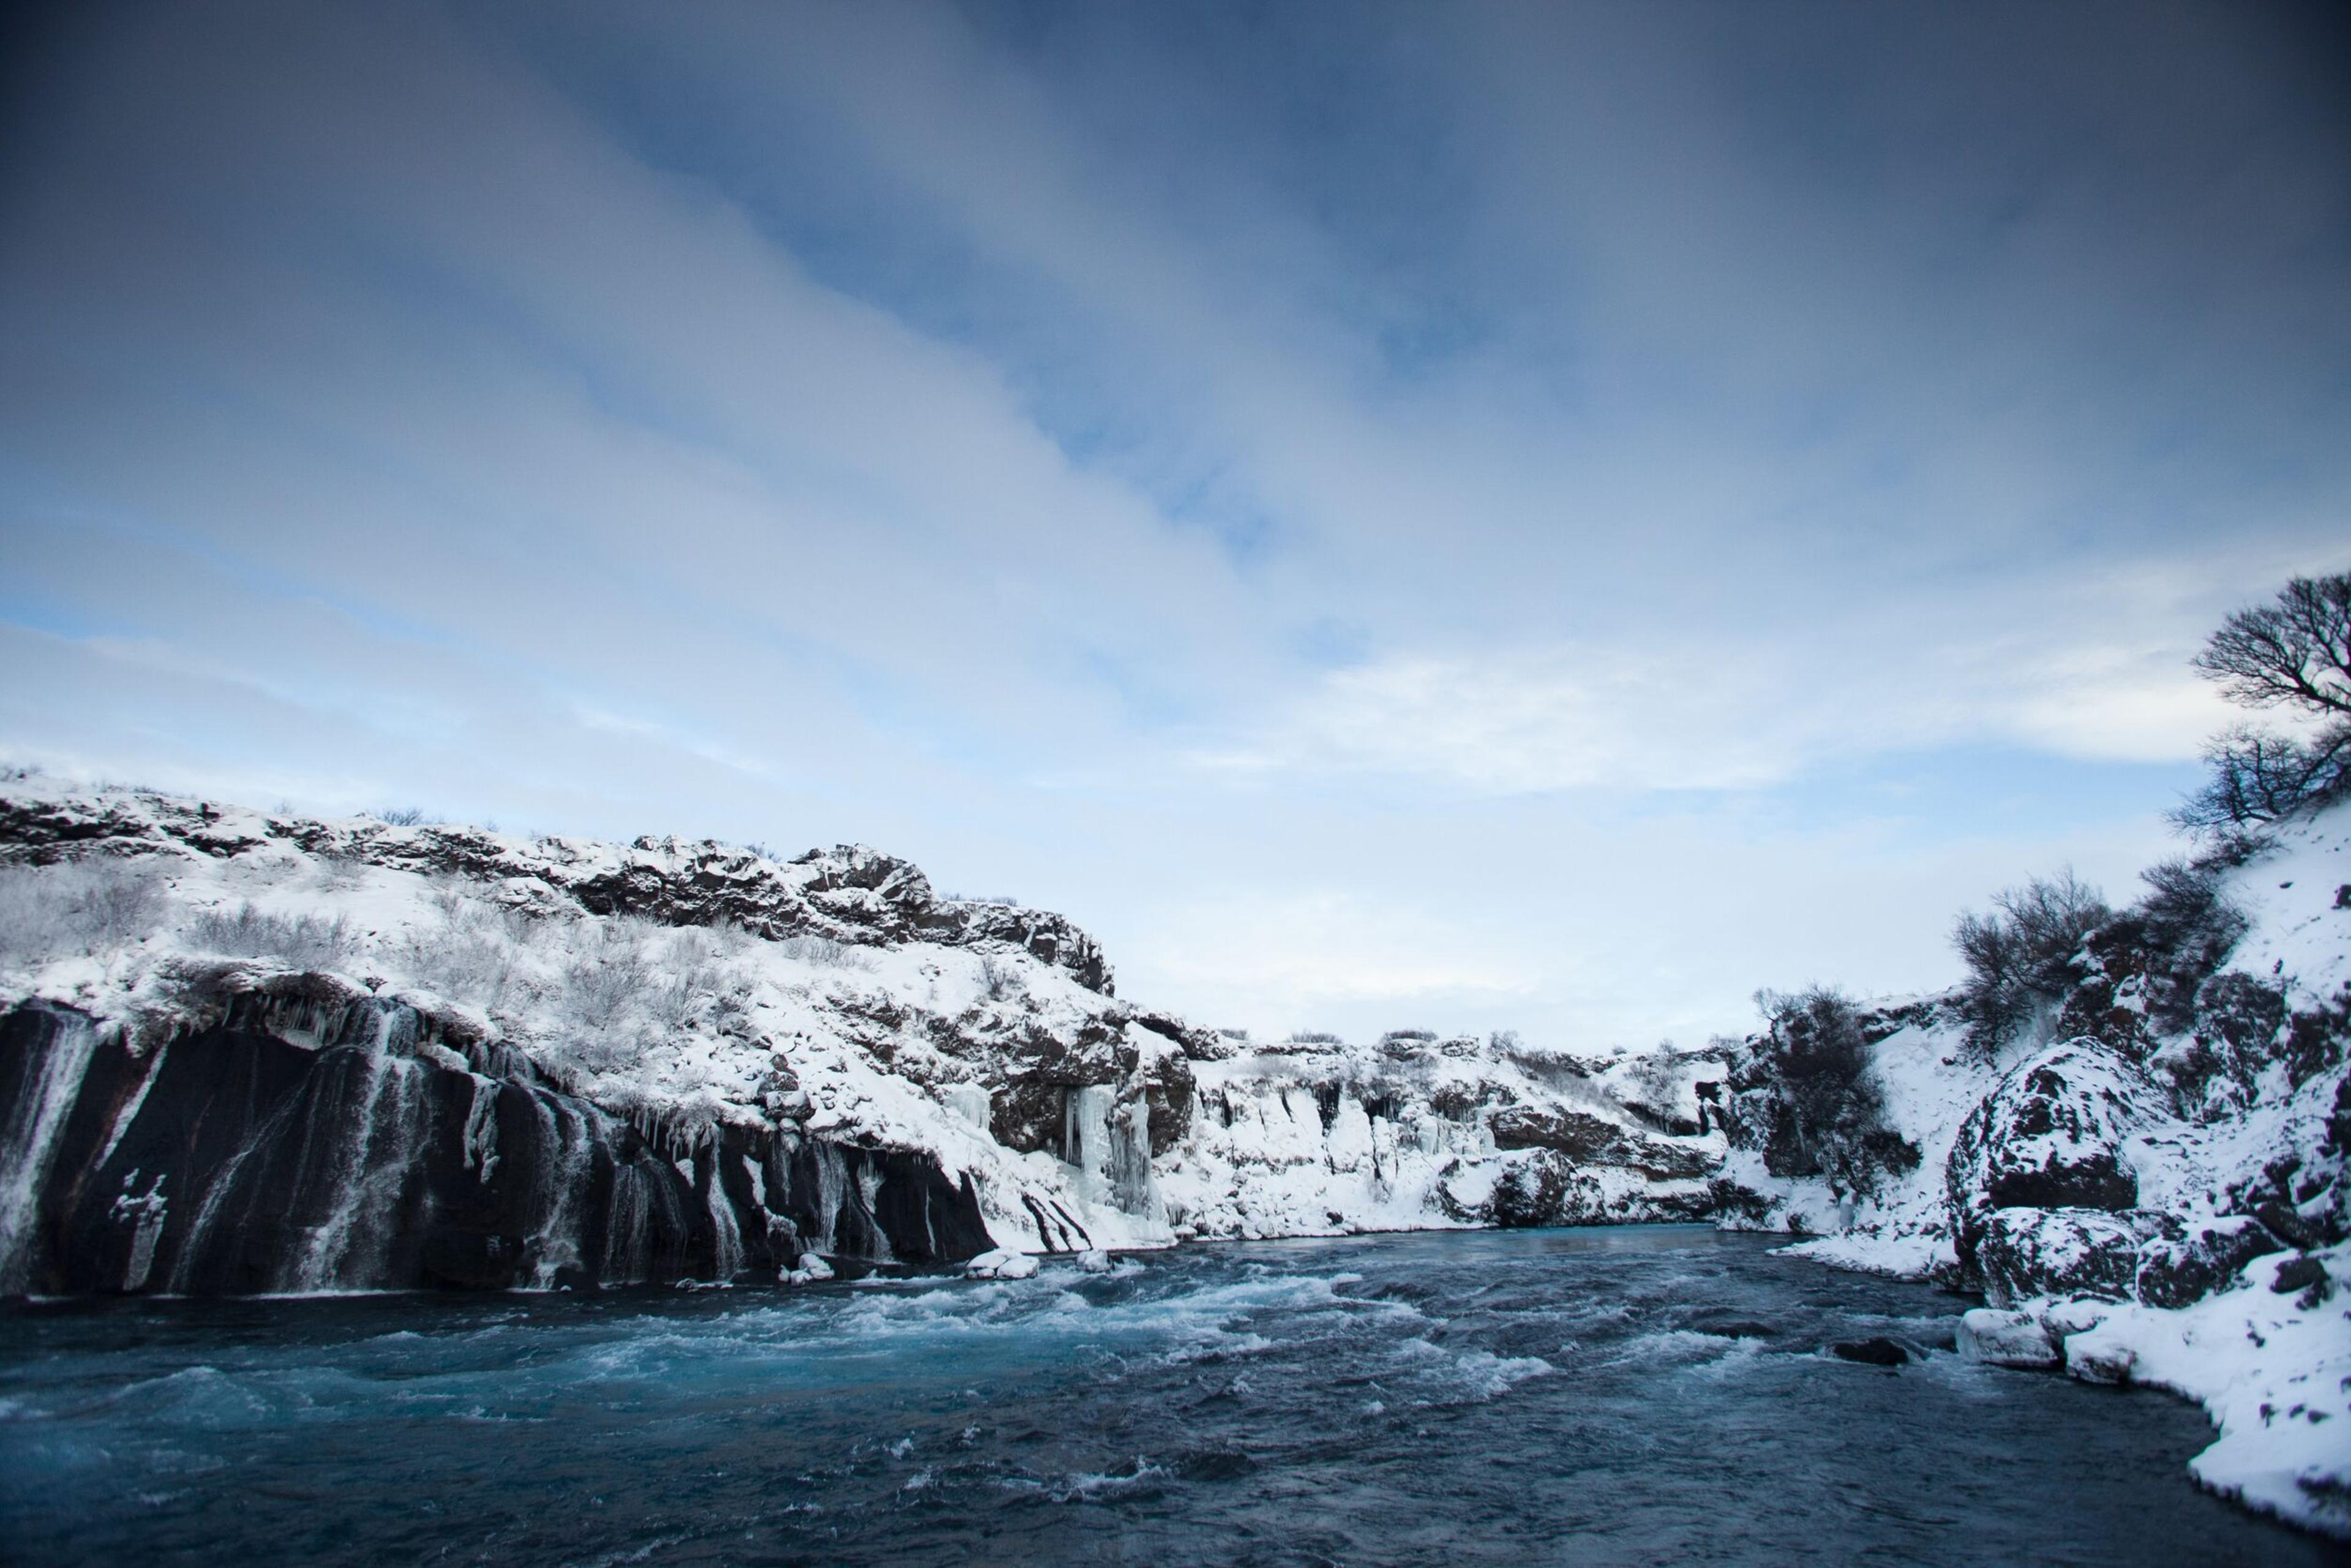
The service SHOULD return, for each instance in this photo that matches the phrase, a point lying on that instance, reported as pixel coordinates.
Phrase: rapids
(1636, 1395)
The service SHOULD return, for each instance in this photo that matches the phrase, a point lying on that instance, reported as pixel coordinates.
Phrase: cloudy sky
(1485, 516)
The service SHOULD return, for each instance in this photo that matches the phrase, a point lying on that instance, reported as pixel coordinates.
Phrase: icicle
(482, 1129)
(148, 1211)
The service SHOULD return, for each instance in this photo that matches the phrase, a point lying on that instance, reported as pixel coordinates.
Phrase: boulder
(2178, 1271)
(2093, 1360)
(1544, 1189)
(1877, 1352)
(2053, 1136)
(2003, 1338)
(1001, 1264)
(2027, 1252)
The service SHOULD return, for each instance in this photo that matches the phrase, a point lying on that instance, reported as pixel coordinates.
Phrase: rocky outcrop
(1585, 1139)
(303, 1144)
(2186, 1261)
(2023, 1253)
(847, 893)
(2053, 1136)
(465, 1057)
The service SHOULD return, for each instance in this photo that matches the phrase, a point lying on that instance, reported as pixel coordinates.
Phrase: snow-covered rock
(2135, 1179)
(1999, 1337)
(792, 1060)
(2054, 1133)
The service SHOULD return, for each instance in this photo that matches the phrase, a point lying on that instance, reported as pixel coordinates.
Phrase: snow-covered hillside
(2143, 1194)
(713, 997)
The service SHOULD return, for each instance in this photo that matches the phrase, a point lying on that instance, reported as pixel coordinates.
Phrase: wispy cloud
(1191, 466)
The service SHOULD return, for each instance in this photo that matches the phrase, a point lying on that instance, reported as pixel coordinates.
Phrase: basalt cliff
(245, 1052)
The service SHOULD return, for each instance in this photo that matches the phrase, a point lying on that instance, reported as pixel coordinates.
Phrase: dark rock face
(1589, 1139)
(2051, 1136)
(2176, 1271)
(2027, 1252)
(1552, 1187)
(232, 1160)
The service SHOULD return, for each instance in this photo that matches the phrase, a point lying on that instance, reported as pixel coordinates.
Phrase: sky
(1482, 516)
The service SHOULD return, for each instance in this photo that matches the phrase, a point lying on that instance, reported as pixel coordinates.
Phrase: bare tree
(2294, 653)
(2020, 956)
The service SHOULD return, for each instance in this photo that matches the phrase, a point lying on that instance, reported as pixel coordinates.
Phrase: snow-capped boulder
(1001, 1264)
(2189, 1261)
(2027, 1252)
(1998, 1337)
(2054, 1134)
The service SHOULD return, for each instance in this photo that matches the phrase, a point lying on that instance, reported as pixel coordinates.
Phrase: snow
(862, 1024)
(2270, 1370)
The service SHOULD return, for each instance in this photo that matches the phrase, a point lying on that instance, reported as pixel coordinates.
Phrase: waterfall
(29, 1143)
(563, 1167)
(832, 1188)
(869, 1190)
(727, 1249)
(131, 1107)
(625, 1261)
(371, 1170)
(240, 1162)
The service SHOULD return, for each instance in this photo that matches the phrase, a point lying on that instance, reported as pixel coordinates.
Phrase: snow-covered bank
(2146, 1189)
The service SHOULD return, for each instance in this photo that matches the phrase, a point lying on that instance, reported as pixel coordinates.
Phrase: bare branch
(2295, 652)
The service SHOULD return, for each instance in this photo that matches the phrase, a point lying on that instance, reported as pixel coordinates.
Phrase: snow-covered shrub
(999, 977)
(1656, 1083)
(46, 911)
(1807, 1093)
(610, 970)
(817, 949)
(398, 816)
(2188, 929)
(307, 941)
(1311, 1037)
(2021, 957)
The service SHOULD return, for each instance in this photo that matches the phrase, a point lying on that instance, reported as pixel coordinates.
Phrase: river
(1639, 1395)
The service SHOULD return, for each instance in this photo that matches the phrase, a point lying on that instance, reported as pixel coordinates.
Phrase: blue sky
(1480, 516)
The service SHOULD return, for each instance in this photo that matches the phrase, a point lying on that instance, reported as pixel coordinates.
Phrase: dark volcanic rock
(2175, 1270)
(2027, 1252)
(2052, 1136)
(1589, 1139)
(232, 1160)
(1871, 1352)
